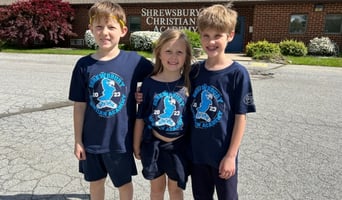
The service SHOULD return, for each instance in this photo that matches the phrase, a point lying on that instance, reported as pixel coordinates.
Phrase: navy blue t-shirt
(216, 98)
(164, 107)
(108, 89)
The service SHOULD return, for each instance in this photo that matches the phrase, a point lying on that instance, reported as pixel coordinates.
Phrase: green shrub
(194, 38)
(2, 44)
(262, 47)
(124, 46)
(293, 48)
(264, 50)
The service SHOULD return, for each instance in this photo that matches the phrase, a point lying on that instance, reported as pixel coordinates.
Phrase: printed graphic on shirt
(248, 99)
(166, 113)
(206, 106)
(165, 118)
(107, 96)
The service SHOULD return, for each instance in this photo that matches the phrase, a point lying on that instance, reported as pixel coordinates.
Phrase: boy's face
(214, 42)
(107, 32)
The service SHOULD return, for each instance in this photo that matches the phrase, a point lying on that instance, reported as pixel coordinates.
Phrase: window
(298, 23)
(333, 23)
(76, 42)
(134, 23)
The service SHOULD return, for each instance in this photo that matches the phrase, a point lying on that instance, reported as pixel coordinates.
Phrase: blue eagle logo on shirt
(206, 106)
(105, 101)
(165, 117)
(107, 94)
(206, 102)
(167, 111)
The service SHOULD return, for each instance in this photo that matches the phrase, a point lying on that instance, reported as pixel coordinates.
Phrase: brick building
(273, 20)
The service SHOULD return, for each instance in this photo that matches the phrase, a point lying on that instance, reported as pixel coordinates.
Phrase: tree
(28, 22)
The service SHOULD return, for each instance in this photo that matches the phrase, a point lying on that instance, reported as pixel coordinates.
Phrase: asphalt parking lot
(291, 148)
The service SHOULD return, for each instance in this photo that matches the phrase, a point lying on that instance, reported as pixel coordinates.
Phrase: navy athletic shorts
(159, 157)
(120, 167)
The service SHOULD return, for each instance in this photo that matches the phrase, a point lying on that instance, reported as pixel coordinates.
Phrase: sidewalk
(233, 56)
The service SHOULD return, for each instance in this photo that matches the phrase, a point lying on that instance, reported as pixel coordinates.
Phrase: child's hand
(227, 167)
(79, 151)
(138, 97)
(137, 153)
(138, 94)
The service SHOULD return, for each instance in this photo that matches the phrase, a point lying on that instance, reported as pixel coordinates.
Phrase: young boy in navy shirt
(102, 88)
(221, 97)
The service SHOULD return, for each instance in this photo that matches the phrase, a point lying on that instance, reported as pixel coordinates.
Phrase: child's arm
(79, 111)
(227, 166)
(138, 131)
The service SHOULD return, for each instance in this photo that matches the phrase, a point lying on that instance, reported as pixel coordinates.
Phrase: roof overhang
(8, 2)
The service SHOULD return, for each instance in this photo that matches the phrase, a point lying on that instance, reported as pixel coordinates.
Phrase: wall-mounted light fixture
(250, 29)
(318, 7)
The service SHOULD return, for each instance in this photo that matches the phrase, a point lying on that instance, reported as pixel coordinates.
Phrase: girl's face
(214, 42)
(107, 32)
(172, 55)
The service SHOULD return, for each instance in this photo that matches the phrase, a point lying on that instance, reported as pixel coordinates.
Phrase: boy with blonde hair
(221, 97)
(102, 88)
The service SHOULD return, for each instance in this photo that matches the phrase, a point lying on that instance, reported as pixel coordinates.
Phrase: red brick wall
(81, 21)
(247, 12)
(134, 9)
(80, 24)
(271, 22)
(81, 18)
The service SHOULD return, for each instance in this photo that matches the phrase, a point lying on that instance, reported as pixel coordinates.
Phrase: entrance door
(236, 45)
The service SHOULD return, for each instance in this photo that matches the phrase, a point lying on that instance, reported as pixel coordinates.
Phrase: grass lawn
(306, 60)
(67, 51)
(313, 60)
(64, 51)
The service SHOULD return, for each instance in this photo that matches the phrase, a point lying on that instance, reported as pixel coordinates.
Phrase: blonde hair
(169, 35)
(107, 10)
(219, 17)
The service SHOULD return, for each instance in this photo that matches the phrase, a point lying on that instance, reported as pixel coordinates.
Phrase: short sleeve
(243, 93)
(77, 91)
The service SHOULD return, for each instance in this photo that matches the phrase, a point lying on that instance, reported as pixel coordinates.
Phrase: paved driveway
(291, 149)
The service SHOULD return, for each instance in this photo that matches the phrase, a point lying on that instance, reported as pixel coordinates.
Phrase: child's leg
(121, 167)
(227, 189)
(158, 186)
(175, 192)
(202, 182)
(126, 191)
(97, 189)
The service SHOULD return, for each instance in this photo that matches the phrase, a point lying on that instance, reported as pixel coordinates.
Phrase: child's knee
(126, 191)
(126, 187)
(97, 189)
(97, 184)
(175, 192)
(172, 187)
